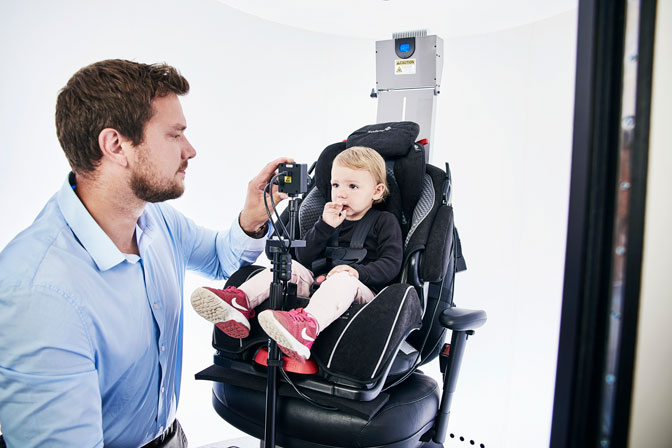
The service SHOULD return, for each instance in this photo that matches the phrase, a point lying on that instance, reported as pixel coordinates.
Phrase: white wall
(260, 90)
(652, 396)
(505, 123)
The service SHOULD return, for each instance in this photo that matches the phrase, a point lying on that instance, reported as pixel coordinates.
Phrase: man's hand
(254, 214)
(344, 268)
(333, 214)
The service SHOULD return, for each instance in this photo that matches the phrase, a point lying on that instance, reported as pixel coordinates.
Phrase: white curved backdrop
(261, 89)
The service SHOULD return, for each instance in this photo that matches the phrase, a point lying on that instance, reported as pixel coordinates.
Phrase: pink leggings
(329, 302)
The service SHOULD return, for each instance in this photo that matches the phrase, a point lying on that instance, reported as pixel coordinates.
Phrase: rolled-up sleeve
(216, 254)
(236, 249)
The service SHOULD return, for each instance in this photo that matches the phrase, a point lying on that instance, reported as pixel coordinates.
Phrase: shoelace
(299, 315)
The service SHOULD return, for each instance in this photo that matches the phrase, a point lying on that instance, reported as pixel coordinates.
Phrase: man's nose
(189, 151)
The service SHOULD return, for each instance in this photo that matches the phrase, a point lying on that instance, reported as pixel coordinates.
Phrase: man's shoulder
(47, 241)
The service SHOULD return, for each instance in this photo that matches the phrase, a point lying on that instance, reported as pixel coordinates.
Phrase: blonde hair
(363, 158)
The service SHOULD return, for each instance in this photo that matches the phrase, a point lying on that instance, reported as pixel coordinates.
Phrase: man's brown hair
(114, 94)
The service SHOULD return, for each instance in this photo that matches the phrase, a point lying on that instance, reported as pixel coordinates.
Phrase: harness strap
(363, 227)
(335, 255)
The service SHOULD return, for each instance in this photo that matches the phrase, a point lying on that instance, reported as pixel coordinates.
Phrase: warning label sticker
(404, 67)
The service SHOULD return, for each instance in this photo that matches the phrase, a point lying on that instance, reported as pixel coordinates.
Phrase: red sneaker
(227, 308)
(294, 331)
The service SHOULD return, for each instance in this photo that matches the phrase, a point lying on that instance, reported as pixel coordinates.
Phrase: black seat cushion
(408, 413)
(383, 323)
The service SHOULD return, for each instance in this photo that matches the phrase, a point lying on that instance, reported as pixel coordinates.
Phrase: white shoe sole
(287, 343)
(212, 308)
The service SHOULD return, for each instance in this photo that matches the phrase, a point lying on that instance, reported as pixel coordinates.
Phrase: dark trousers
(174, 437)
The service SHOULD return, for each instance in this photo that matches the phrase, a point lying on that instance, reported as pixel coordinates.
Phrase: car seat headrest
(323, 168)
(405, 160)
(392, 140)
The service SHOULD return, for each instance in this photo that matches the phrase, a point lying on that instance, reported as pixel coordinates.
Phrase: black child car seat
(364, 389)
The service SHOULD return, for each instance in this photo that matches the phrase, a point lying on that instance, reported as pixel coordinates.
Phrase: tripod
(277, 250)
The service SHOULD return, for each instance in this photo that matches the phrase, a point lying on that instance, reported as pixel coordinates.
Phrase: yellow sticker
(288, 179)
(404, 67)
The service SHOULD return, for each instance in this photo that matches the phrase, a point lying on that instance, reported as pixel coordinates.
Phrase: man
(91, 293)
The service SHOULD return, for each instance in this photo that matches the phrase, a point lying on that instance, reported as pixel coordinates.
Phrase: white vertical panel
(652, 395)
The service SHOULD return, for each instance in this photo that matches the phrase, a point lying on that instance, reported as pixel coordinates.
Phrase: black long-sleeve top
(383, 244)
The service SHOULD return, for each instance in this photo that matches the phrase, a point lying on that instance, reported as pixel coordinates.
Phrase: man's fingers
(254, 212)
(277, 195)
(269, 170)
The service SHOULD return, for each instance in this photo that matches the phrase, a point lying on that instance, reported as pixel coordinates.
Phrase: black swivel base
(407, 416)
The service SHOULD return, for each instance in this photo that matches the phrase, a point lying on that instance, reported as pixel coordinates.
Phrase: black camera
(293, 178)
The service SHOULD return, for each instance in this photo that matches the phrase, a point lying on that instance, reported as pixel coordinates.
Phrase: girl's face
(355, 190)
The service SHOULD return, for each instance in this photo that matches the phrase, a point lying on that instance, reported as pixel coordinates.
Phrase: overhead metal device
(408, 80)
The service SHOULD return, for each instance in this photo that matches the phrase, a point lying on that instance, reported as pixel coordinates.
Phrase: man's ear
(114, 146)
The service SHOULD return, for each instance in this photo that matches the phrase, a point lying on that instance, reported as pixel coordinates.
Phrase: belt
(163, 437)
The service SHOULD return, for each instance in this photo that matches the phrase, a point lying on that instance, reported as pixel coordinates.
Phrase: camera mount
(293, 180)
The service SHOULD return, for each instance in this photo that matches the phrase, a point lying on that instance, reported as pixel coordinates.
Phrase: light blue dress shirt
(90, 337)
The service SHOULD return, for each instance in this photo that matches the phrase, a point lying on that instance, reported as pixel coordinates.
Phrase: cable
(304, 396)
(277, 215)
(269, 189)
(269, 213)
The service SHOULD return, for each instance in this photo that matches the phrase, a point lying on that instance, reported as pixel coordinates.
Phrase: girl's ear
(378, 191)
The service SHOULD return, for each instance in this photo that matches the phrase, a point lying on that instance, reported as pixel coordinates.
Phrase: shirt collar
(104, 252)
(144, 230)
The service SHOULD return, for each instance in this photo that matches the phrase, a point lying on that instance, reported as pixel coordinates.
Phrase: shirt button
(161, 430)
(156, 306)
(163, 389)
(163, 348)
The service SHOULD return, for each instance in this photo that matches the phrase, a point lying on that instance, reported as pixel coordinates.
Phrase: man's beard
(147, 188)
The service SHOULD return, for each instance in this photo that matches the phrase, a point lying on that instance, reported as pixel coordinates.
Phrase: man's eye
(334, 185)
(353, 186)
